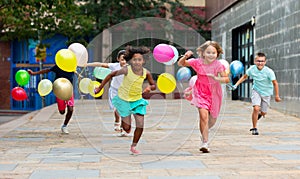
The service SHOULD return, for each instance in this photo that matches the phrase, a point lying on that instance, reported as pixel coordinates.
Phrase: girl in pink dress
(207, 91)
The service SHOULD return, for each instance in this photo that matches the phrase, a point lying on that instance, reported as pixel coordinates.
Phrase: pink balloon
(163, 53)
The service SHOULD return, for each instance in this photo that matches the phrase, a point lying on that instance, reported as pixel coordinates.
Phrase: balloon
(226, 65)
(101, 73)
(80, 52)
(175, 58)
(193, 81)
(92, 86)
(22, 77)
(65, 59)
(183, 74)
(236, 68)
(63, 89)
(44, 87)
(163, 53)
(18, 94)
(166, 83)
(188, 93)
(84, 85)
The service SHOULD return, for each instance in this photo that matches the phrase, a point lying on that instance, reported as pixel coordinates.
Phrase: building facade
(245, 27)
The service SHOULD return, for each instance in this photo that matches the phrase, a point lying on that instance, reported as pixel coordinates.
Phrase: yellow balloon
(63, 89)
(44, 87)
(65, 59)
(92, 86)
(166, 83)
(84, 85)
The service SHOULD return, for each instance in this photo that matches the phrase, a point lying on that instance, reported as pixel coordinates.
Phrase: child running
(115, 83)
(207, 91)
(61, 104)
(264, 82)
(129, 99)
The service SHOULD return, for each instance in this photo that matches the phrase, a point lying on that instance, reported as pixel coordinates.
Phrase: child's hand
(97, 90)
(277, 99)
(147, 89)
(188, 54)
(30, 72)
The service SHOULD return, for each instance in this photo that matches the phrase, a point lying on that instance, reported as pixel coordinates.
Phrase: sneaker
(259, 116)
(117, 126)
(204, 148)
(133, 151)
(64, 130)
(254, 131)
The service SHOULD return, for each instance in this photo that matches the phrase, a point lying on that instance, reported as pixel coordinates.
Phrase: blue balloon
(236, 68)
(183, 74)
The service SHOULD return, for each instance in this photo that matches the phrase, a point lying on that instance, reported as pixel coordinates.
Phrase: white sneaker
(204, 148)
(64, 130)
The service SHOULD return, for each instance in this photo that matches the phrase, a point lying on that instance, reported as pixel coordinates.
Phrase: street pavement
(33, 146)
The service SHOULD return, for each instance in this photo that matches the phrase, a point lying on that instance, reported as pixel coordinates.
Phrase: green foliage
(41, 19)
(79, 19)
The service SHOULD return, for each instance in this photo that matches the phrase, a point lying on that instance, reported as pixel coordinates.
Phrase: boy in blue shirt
(264, 82)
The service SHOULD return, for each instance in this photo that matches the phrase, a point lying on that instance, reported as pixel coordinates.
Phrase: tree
(109, 13)
(41, 19)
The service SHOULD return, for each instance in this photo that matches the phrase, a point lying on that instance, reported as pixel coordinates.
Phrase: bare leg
(139, 122)
(68, 115)
(203, 124)
(126, 123)
(211, 121)
(117, 116)
(255, 113)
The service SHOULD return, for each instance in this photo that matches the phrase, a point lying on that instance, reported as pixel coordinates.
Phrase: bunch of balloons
(226, 65)
(236, 68)
(87, 86)
(166, 54)
(22, 77)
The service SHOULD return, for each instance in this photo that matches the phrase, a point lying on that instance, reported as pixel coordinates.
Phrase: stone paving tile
(169, 145)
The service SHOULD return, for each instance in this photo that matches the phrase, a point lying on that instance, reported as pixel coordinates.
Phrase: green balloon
(22, 77)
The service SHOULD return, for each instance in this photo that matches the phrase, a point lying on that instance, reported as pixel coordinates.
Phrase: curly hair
(130, 51)
(203, 47)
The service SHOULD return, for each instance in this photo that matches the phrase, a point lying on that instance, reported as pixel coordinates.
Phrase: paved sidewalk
(33, 146)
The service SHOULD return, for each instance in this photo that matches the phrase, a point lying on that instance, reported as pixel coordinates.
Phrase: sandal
(117, 126)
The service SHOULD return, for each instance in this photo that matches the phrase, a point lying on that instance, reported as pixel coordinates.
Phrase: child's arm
(109, 77)
(183, 60)
(241, 80)
(97, 64)
(152, 85)
(223, 78)
(276, 89)
(47, 70)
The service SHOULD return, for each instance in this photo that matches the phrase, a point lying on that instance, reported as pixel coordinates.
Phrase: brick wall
(277, 34)
(4, 76)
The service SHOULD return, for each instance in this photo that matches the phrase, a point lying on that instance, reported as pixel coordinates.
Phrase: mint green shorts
(126, 108)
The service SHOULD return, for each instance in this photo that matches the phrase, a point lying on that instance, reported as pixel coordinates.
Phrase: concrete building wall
(277, 33)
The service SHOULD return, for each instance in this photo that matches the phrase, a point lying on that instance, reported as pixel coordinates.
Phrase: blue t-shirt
(59, 73)
(262, 79)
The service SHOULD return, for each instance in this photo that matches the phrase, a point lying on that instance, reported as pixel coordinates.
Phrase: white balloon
(80, 52)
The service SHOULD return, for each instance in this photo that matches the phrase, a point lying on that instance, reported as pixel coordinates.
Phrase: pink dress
(207, 92)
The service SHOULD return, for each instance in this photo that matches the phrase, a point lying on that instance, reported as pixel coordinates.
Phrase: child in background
(115, 83)
(61, 104)
(129, 99)
(207, 91)
(264, 80)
